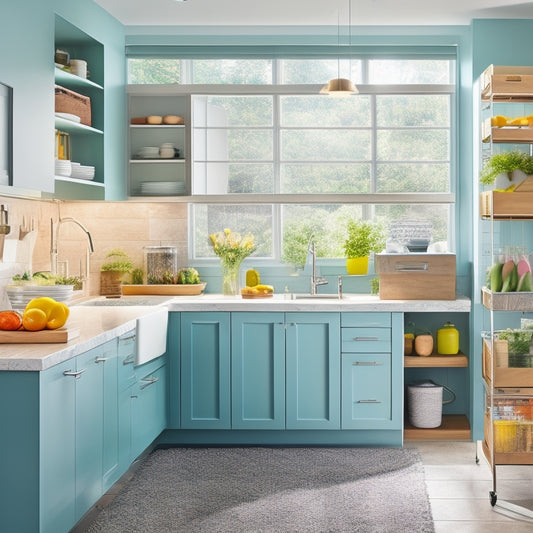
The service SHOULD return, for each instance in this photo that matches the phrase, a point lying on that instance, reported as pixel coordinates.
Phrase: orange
(58, 316)
(34, 319)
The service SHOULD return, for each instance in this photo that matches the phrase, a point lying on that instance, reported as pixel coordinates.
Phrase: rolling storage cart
(508, 338)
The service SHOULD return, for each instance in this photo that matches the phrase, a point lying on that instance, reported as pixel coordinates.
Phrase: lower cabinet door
(89, 431)
(366, 391)
(313, 370)
(58, 448)
(148, 410)
(205, 370)
(258, 371)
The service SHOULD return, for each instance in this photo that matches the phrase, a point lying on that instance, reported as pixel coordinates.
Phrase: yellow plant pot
(357, 266)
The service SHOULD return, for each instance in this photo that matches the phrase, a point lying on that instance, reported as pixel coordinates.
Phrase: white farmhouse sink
(151, 331)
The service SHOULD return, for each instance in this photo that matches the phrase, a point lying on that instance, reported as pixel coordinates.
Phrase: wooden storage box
(504, 375)
(507, 301)
(416, 276)
(67, 101)
(507, 134)
(506, 205)
(507, 82)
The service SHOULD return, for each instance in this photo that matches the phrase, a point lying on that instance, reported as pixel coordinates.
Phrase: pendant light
(341, 86)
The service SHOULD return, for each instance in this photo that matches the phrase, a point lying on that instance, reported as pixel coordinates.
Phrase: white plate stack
(63, 167)
(84, 172)
(20, 295)
(162, 188)
(149, 152)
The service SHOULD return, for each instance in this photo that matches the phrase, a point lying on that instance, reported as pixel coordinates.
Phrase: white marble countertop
(96, 326)
(349, 302)
(99, 324)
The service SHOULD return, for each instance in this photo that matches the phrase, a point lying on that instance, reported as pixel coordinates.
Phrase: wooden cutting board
(39, 337)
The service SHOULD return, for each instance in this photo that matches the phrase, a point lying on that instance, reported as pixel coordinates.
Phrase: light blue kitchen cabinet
(313, 370)
(371, 370)
(89, 430)
(205, 370)
(149, 405)
(174, 369)
(111, 442)
(257, 371)
(56, 487)
(125, 380)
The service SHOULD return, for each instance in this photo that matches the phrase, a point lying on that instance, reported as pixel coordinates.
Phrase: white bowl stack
(20, 295)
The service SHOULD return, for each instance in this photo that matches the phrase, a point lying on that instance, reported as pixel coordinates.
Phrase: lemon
(44, 303)
(252, 278)
(34, 319)
(58, 316)
(499, 121)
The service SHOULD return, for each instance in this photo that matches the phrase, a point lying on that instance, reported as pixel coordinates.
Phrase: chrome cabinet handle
(101, 359)
(368, 363)
(365, 339)
(147, 382)
(368, 401)
(129, 360)
(128, 338)
(410, 267)
(74, 374)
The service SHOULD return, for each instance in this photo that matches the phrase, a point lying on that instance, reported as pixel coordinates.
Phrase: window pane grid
(397, 141)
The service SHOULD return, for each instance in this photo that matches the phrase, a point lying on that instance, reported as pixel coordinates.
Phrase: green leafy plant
(119, 262)
(363, 237)
(374, 285)
(506, 163)
(137, 276)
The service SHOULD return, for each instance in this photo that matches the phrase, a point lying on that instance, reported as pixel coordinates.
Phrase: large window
(372, 155)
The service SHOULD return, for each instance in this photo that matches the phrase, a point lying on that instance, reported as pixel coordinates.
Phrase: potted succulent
(112, 272)
(363, 238)
(505, 164)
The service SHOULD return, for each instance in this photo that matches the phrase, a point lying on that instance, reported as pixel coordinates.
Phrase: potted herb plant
(363, 238)
(112, 272)
(506, 164)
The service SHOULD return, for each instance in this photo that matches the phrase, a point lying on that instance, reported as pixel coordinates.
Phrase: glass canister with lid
(160, 264)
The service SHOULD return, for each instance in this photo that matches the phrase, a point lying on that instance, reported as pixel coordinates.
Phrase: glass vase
(230, 278)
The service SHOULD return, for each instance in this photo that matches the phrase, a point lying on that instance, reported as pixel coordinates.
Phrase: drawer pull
(368, 401)
(365, 339)
(74, 374)
(368, 363)
(129, 360)
(410, 267)
(101, 359)
(128, 338)
(147, 382)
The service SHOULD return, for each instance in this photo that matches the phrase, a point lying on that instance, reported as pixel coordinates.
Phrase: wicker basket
(68, 101)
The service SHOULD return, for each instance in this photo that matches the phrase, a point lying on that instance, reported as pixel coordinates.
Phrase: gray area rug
(272, 490)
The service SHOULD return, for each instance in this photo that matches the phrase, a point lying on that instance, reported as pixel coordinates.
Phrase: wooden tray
(44, 336)
(175, 290)
(256, 296)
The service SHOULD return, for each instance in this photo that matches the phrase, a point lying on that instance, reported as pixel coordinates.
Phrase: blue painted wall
(497, 42)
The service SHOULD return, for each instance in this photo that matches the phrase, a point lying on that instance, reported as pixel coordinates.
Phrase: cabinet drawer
(366, 391)
(371, 320)
(366, 340)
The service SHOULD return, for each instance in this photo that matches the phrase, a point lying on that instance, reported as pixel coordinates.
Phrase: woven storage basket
(68, 101)
(424, 403)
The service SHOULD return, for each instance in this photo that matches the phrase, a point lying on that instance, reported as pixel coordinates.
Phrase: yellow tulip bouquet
(232, 248)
